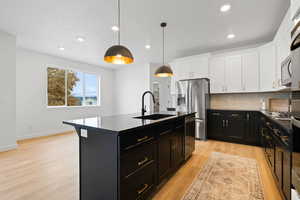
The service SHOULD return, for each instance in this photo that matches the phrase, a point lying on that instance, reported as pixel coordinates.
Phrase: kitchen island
(125, 157)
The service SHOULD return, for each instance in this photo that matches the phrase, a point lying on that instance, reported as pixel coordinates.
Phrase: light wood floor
(47, 169)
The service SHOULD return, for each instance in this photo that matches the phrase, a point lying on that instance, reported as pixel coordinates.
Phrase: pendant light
(164, 70)
(118, 54)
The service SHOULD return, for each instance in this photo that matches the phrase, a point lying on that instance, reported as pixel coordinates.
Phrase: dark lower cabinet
(140, 184)
(278, 156)
(154, 156)
(164, 155)
(215, 124)
(177, 147)
(170, 151)
(253, 128)
(133, 164)
(286, 173)
(233, 126)
(278, 165)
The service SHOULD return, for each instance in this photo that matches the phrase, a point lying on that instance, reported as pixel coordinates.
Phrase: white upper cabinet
(250, 63)
(189, 68)
(233, 74)
(198, 67)
(217, 74)
(192, 67)
(267, 67)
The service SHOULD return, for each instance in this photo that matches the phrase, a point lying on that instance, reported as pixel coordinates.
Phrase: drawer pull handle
(143, 161)
(217, 114)
(142, 139)
(143, 189)
(235, 115)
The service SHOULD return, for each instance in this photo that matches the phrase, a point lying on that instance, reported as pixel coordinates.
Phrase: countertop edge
(119, 132)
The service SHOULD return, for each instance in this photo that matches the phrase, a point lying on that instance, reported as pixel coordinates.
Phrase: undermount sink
(154, 116)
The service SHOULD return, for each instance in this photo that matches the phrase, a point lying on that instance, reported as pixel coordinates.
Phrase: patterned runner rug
(227, 177)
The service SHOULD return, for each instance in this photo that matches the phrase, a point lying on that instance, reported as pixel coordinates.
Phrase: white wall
(33, 116)
(131, 82)
(8, 91)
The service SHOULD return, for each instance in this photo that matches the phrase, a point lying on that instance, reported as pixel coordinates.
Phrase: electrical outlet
(83, 133)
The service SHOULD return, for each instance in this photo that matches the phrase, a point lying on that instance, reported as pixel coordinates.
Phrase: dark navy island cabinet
(129, 164)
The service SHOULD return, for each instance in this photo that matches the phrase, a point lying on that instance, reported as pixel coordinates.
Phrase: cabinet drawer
(236, 115)
(135, 138)
(137, 158)
(140, 185)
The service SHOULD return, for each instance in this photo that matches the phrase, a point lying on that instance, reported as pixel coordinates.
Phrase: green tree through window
(70, 88)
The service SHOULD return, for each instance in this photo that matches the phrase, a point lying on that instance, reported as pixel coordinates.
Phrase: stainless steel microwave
(286, 72)
(295, 57)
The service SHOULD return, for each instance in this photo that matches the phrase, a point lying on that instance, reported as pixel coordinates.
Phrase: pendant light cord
(163, 45)
(119, 22)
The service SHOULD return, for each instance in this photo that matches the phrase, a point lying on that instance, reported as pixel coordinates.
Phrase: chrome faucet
(143, 101)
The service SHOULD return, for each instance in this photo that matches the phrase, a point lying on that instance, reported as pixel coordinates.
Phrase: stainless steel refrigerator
(194, 96)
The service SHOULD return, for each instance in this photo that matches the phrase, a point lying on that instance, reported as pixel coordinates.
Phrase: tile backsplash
(245, 101)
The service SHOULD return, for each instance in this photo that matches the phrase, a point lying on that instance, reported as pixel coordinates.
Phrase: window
(72, 88)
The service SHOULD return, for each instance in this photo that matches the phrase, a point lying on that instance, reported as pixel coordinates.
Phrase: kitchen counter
(284, 124)
(118, 124)
(122, 157)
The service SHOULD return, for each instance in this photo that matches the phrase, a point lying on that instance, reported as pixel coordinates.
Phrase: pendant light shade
(118, 54)
(164, 70)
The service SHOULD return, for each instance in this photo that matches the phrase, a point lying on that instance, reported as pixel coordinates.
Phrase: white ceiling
(194, 26)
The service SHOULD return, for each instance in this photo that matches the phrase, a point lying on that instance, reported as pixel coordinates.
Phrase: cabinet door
(217, 74)
(250, 72)
(278, 165)
(267, 67)
(177, 146)
(198, 67)
(182, 68)
(252, 134)
(235, 126)
(215, 125)
(164, 154)
(286, 185)
(233, 74)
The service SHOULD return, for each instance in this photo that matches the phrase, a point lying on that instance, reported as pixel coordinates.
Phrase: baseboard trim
(8, 147)
(44, 134)
(32, 137)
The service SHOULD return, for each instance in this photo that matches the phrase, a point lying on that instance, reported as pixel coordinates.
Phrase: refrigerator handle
(188, 98)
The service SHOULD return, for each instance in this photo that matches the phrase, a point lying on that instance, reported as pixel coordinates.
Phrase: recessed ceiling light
(230, 36)
(115, 28)
(80, 39)
(148, 46)
(225, 8)
(61, 48)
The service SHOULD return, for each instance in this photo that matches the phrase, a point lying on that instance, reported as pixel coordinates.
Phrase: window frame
(67, 69)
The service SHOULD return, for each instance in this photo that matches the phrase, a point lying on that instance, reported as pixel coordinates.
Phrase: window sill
(71, 107)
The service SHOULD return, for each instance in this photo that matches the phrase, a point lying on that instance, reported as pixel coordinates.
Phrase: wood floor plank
(47, 168)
